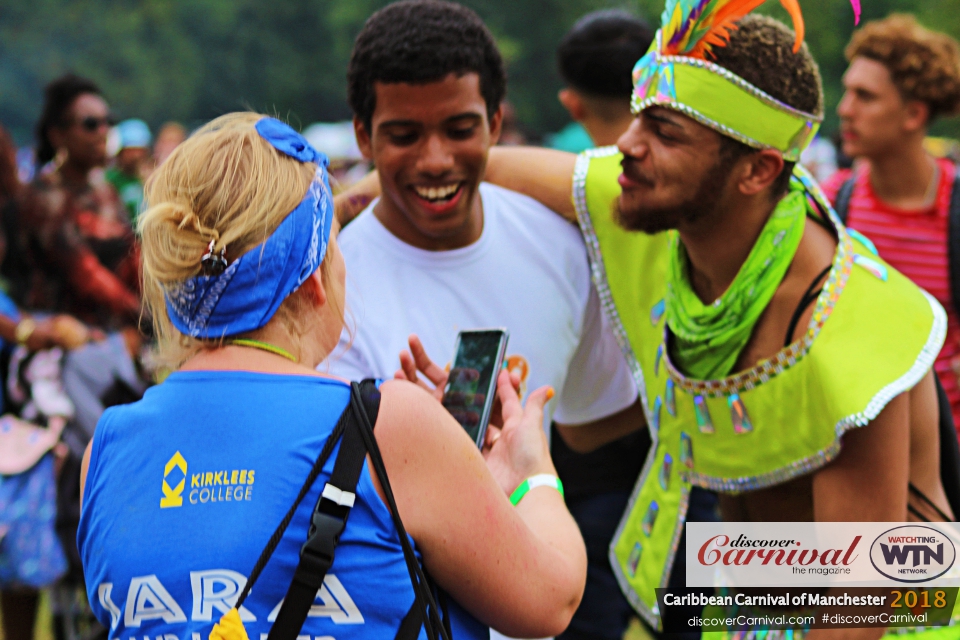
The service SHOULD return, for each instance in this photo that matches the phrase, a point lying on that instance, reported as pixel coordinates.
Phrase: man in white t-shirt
(526, 272)
(440, 252)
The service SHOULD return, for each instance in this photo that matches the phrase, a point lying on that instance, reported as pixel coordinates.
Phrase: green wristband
(542, 480)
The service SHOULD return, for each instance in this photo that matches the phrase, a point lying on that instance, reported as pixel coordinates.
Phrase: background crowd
(72, 176)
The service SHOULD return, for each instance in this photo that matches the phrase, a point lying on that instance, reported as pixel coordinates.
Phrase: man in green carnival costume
(781, 363)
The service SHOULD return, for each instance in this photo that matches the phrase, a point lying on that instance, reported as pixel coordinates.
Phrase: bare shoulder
(413, 421)
(84, 470)
(428, 457)
(39, 196)
(867, 481)
(403, 401)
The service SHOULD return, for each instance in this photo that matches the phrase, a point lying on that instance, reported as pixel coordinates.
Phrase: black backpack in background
(842, 207)
(949, 446)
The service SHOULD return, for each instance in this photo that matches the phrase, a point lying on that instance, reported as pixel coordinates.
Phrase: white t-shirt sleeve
(598, 382)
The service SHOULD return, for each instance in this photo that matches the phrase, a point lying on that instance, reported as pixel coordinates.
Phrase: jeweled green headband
(721, 100)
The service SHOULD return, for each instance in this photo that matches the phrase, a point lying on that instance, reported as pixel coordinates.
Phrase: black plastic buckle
(316, 554)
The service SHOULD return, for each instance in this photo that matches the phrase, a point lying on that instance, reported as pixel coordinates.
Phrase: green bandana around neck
(708, 338)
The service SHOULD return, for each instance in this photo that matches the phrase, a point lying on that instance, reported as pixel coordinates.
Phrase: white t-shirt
(528, 272)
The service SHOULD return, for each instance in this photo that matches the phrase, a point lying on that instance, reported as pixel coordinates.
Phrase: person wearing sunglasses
(75, 227)
(30, 555)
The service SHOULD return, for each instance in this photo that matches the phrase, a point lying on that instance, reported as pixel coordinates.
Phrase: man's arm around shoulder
(546, 175)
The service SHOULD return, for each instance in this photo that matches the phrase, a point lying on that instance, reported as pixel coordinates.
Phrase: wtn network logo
(912, 553)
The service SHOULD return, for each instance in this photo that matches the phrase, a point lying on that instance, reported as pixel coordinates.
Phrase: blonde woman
(183, 489)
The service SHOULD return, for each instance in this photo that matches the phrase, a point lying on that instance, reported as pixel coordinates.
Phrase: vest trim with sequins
(750, 430)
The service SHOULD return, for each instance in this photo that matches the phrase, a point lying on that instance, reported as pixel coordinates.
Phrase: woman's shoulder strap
(329, 516)
(370, 395)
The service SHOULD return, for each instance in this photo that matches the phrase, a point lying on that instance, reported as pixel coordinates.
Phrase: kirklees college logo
(173, 496)
(224, 485)
(912, 553)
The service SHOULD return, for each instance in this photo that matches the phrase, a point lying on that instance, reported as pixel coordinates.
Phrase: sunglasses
(91, 124)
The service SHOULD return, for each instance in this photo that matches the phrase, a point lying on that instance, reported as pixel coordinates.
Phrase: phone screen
(472, 382)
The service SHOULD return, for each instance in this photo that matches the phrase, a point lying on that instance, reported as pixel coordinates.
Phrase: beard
(703, 202)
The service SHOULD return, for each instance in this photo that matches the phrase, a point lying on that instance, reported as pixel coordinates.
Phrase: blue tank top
(186, 486)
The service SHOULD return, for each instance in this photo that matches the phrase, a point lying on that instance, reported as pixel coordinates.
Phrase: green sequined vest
(769, 424)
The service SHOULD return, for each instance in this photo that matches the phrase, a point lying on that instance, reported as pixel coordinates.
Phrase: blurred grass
(44, 628)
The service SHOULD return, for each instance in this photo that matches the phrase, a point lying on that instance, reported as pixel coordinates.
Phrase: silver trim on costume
(801, 467)
(599, 275)
(791, 154)
(907, 381)
(755, 91)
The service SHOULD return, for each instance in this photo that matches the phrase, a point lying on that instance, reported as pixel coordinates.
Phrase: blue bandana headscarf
(250, 290)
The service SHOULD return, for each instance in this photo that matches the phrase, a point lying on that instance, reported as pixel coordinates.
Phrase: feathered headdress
(691, 27)
(677, 73)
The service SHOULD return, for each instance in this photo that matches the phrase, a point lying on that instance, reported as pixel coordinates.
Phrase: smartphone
(472, 384)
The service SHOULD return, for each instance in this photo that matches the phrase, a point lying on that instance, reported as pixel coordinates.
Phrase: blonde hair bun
(224, 183)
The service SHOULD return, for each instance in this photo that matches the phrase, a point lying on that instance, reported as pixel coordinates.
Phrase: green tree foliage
(193, 60)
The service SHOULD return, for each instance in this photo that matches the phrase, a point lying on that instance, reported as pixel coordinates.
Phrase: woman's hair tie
(228, 298)
(213, 264)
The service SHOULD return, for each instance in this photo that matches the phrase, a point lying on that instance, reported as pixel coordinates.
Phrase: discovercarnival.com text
(807, 621)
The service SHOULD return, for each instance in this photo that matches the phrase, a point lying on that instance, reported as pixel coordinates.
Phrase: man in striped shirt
(901, 77)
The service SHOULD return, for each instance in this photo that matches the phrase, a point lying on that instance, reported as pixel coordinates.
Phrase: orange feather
(712, 28)
(723, 20)
(793, 8)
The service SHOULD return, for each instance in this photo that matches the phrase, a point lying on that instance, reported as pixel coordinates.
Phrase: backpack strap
(424, 612)
(949, 450)
(953, 241)
(304, 489)
(842, 204)
(327, 522)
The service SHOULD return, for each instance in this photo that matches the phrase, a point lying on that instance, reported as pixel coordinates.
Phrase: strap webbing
(842, 205)
(953, 241)
(949, 451)
(423, 596)
(282, 527)
(411, 624)
(327, 524)
(329, 520)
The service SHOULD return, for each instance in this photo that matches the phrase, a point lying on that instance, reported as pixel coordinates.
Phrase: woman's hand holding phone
(417, 361)
(516, 446)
